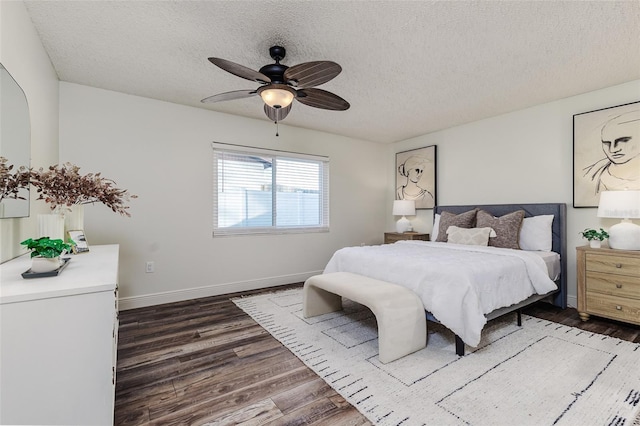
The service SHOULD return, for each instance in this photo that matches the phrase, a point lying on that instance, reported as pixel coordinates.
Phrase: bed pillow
(436, 226)
(462, 220)
(469, 236)
(507, 228)
(536, 233)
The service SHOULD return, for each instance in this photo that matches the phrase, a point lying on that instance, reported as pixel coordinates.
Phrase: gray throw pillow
(507, 228)
(462, 220)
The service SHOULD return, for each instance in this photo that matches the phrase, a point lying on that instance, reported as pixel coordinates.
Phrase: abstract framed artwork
(416, 176)
(606, 152)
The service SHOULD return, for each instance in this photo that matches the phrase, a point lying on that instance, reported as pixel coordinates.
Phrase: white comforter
(458, 284)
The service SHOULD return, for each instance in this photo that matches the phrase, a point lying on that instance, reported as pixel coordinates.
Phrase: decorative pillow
(536, 233)
(507, 228)
(462, 220)
(436, 226)
(471, 236)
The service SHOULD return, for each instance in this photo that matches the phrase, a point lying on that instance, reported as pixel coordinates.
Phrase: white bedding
(458, 284)
(552, 260)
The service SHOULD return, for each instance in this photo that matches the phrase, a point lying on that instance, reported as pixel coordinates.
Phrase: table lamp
(624, 205)
(403, 208)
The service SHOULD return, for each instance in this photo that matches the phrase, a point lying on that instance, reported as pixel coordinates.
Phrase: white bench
(402, 324)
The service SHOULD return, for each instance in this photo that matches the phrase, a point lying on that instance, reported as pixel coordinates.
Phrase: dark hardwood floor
(204, 360)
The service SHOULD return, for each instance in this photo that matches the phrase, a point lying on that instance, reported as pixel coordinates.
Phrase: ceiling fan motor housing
(275, 72)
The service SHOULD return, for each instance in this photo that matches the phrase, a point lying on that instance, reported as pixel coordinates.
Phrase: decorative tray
(54, 273)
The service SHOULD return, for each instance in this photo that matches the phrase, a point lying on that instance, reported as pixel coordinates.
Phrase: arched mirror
(15, 142)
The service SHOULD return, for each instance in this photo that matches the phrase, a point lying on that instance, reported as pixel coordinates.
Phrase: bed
(460, 285)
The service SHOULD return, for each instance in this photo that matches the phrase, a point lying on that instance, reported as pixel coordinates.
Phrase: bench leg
(401, 335)
(316, 301)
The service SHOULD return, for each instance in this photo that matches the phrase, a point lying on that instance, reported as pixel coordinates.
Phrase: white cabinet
(58, 338)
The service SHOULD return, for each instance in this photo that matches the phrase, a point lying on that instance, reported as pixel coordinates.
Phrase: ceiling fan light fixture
(277, 95)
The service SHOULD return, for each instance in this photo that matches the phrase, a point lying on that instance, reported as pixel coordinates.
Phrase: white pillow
(536, 234)
(436, 227)
(469, 236)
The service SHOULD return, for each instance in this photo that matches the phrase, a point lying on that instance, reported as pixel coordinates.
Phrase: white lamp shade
(619, 204)
(404, 208)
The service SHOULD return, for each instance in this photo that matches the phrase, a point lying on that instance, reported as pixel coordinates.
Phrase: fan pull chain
(277, 128)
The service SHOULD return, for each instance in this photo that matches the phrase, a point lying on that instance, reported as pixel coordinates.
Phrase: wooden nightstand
(609, 284)
(392, 237)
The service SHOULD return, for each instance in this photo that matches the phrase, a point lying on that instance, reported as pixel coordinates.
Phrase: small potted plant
(594, 237)
(45, 253)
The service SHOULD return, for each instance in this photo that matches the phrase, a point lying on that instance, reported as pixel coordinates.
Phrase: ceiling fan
(281, 84)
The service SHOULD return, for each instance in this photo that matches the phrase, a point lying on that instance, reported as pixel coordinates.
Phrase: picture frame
(80, 244)
(606, 152)
(416, 176)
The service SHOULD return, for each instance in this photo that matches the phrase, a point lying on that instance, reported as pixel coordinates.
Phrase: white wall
(23, 55)
(522, 157)
(162, 153)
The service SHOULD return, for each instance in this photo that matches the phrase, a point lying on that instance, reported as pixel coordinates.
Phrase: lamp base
(624, 236)
(403, 225)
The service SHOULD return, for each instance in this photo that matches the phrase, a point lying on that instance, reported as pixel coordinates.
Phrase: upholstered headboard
(558, 228)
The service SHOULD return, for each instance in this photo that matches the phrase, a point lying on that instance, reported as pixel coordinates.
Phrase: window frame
(324, 210)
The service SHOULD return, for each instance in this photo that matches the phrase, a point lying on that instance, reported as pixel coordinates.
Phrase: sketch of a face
(415, 174)
(413, 168)
(621, 138)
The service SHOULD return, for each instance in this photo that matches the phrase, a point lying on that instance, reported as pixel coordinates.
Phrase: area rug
(541, 373)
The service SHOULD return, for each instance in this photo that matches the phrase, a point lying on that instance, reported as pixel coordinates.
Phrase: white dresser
(58, 340)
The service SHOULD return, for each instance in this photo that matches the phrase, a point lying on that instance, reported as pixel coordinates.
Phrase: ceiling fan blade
(277, 114)
(319, 98)
(229, 96)
(240, 70)
(311, 74)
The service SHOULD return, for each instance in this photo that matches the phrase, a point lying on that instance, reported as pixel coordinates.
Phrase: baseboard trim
(125, 303)
(133, 302)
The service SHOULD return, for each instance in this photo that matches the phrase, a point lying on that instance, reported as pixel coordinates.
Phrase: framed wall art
(416, 176)
(606, 152)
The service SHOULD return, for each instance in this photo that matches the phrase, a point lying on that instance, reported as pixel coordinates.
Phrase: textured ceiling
(409, 68)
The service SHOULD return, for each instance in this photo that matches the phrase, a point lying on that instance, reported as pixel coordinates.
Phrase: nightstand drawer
(614, 307)
(613, 265)
(614, 285)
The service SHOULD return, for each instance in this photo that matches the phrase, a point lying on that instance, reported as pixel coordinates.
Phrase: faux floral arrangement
(12, 181)
(62, 186)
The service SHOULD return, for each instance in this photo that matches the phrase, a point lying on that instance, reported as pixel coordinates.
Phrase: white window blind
(260, 191)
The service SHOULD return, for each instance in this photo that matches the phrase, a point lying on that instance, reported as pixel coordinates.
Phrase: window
(264, 192)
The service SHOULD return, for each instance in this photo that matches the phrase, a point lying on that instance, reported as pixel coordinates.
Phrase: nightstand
(609, 284)
(392, 237)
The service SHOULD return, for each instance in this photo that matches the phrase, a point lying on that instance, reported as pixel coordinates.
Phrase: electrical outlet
(150, 267)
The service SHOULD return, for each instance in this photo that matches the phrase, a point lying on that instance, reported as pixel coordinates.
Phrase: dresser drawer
(618, 308)
(613, 264)
(615, 285)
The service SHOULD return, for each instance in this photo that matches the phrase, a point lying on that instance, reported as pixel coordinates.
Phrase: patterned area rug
(542, 373)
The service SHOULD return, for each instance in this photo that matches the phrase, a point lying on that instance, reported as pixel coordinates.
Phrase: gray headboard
(559, 229)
